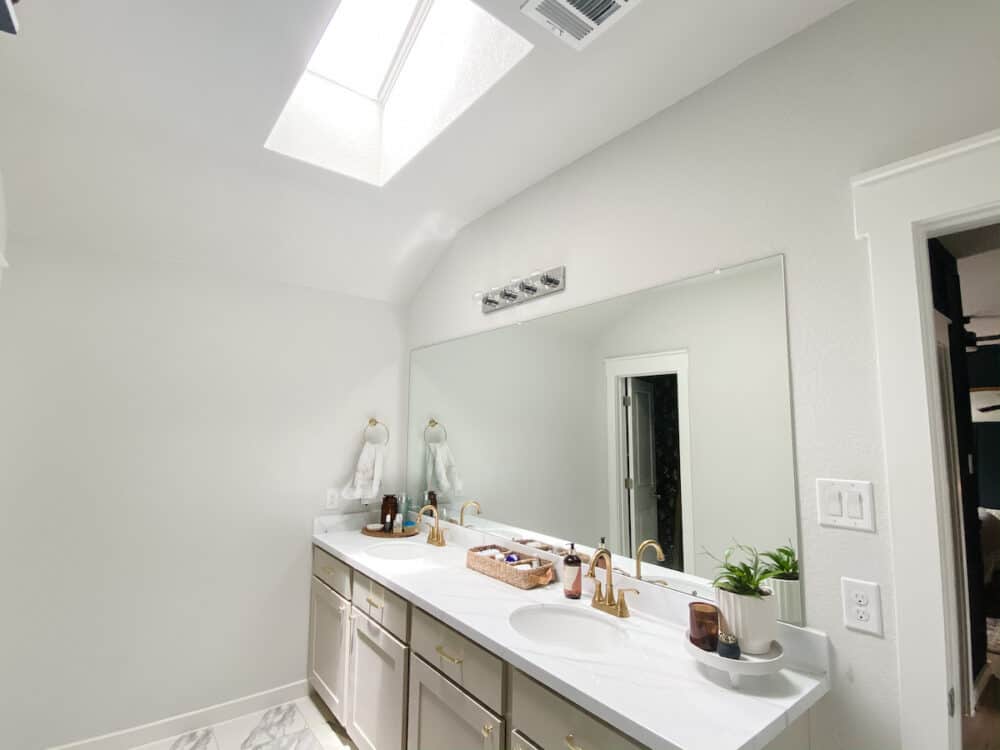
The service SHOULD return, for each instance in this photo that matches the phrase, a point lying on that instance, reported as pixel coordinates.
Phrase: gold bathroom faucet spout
(605, 601)
(435, 536)
(638, 555)
(471, 504)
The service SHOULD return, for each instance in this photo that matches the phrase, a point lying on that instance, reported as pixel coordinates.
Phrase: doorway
(965, 284)
(649, 455)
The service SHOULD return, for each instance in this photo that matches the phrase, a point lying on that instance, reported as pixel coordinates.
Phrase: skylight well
(387, 77)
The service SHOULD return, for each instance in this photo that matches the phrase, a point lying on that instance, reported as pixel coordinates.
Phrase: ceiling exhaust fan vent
(577, 22)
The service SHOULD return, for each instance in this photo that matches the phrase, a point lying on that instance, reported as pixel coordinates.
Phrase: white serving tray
(747, 665)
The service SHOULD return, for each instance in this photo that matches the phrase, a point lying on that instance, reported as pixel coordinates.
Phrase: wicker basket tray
(520, 574)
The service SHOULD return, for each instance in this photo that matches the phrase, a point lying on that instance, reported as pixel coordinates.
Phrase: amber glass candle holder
(704, 625)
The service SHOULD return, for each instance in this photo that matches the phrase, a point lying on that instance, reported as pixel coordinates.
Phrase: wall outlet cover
(862, 604)
(846, 503)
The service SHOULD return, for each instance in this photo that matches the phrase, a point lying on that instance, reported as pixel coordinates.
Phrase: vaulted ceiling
(136, 130)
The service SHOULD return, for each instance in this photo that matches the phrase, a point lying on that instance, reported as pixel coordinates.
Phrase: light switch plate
(846, 503)
(862, 603)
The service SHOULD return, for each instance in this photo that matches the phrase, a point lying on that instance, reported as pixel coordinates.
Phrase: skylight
(387, 77)
(359, 46)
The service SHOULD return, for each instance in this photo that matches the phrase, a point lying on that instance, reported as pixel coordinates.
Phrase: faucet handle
(622, 604)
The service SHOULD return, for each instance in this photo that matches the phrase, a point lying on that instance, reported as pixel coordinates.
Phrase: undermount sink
(398, 551)
(568, 629)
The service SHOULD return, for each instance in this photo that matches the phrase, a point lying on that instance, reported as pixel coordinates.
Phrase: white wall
(166, 438)
(759, 162)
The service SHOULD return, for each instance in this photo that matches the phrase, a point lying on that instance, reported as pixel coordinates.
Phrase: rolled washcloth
(442, 473)
(367, 474)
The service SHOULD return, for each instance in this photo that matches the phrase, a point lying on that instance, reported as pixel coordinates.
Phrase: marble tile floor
(299, 725)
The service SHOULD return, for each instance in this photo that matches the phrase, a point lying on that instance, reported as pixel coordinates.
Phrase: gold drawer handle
(571, 743)
(487, 731)
(446, 656)
(373, 603)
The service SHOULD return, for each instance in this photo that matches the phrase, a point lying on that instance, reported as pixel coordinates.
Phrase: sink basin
(398, 551)
(577, 630)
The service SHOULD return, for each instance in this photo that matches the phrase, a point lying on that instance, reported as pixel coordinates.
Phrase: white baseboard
(204, 717)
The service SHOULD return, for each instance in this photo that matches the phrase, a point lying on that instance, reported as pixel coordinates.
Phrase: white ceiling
(137, 129)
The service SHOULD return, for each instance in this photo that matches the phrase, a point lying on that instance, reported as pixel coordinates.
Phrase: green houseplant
(746, 605)
(784, 566)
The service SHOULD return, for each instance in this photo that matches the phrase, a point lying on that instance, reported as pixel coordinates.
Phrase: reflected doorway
(649, 450)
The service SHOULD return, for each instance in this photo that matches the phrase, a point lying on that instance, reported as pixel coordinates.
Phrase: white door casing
(896, 209)
(617, 369)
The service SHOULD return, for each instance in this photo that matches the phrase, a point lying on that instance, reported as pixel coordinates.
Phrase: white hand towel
(442, 473)
(368, 473)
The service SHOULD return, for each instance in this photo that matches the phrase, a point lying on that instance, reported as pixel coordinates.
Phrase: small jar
(729, 646)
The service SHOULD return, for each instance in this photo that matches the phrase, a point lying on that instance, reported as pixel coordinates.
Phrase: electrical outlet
(862, 605)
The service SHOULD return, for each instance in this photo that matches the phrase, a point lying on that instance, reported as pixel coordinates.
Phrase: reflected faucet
(638, 555)
(470, 504)
(435, 536)
(605, 601)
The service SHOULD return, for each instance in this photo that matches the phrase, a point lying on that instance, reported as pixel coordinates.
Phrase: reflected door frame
(617, 371)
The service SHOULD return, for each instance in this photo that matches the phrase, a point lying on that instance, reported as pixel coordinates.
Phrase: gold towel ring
(433, 423)
(375, 423)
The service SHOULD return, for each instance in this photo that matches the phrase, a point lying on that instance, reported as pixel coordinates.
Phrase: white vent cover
(577, 22)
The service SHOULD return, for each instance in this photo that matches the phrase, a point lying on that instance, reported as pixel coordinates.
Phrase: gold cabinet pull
(487, 731)
(571, 743)
(373, 603)
(446, 656)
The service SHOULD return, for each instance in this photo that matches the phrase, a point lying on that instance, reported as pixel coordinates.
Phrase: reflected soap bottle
(572, 574)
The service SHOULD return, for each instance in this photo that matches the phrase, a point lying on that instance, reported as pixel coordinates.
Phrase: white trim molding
(204, 717)
(896, 209)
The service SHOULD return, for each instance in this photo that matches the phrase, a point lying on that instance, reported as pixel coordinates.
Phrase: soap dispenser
(572, 574)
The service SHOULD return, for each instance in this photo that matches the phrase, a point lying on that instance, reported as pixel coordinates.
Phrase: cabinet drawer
(474, 668)
(554, 722)
(384, 607)
(519, 742)
(332, 572)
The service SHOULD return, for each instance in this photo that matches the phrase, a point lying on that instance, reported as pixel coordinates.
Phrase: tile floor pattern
(291, 726)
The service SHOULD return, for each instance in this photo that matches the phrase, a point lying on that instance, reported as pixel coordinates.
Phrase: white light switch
(845, 503)
(862, 605)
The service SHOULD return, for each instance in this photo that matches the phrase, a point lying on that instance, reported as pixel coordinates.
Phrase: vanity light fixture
(533, 286)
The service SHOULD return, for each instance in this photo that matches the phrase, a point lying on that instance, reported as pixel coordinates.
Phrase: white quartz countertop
(648, 689)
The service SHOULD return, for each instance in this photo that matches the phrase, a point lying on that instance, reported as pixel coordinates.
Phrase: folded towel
(368, 473)
(442, 473)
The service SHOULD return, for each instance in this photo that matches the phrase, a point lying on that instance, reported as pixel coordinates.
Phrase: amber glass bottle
(572, 574)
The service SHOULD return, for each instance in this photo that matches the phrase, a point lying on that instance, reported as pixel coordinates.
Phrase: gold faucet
(471, 503)
(435, 536)
(605, 601)
(638, 555)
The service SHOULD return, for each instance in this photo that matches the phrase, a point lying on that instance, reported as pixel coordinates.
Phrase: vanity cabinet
(444, 717)
(553, 723)
(470, 666)
(329, 639)
(376, 702)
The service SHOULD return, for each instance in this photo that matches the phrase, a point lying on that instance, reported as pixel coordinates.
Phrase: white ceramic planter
(752, 619)
(789, 597)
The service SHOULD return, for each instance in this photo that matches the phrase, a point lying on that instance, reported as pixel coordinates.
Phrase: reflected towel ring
(375, 423)
(433, 423)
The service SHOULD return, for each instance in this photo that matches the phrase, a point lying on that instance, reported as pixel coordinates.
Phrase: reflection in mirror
(663, 414)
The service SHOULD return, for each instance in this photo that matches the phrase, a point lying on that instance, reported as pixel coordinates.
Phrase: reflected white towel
(442, 473)
(368, 473)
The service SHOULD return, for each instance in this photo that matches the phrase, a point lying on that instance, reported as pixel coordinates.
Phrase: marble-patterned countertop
(650, 689)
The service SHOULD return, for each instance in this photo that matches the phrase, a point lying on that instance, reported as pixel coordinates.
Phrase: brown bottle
(390, 506)
(572, 574)
(432, 498)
